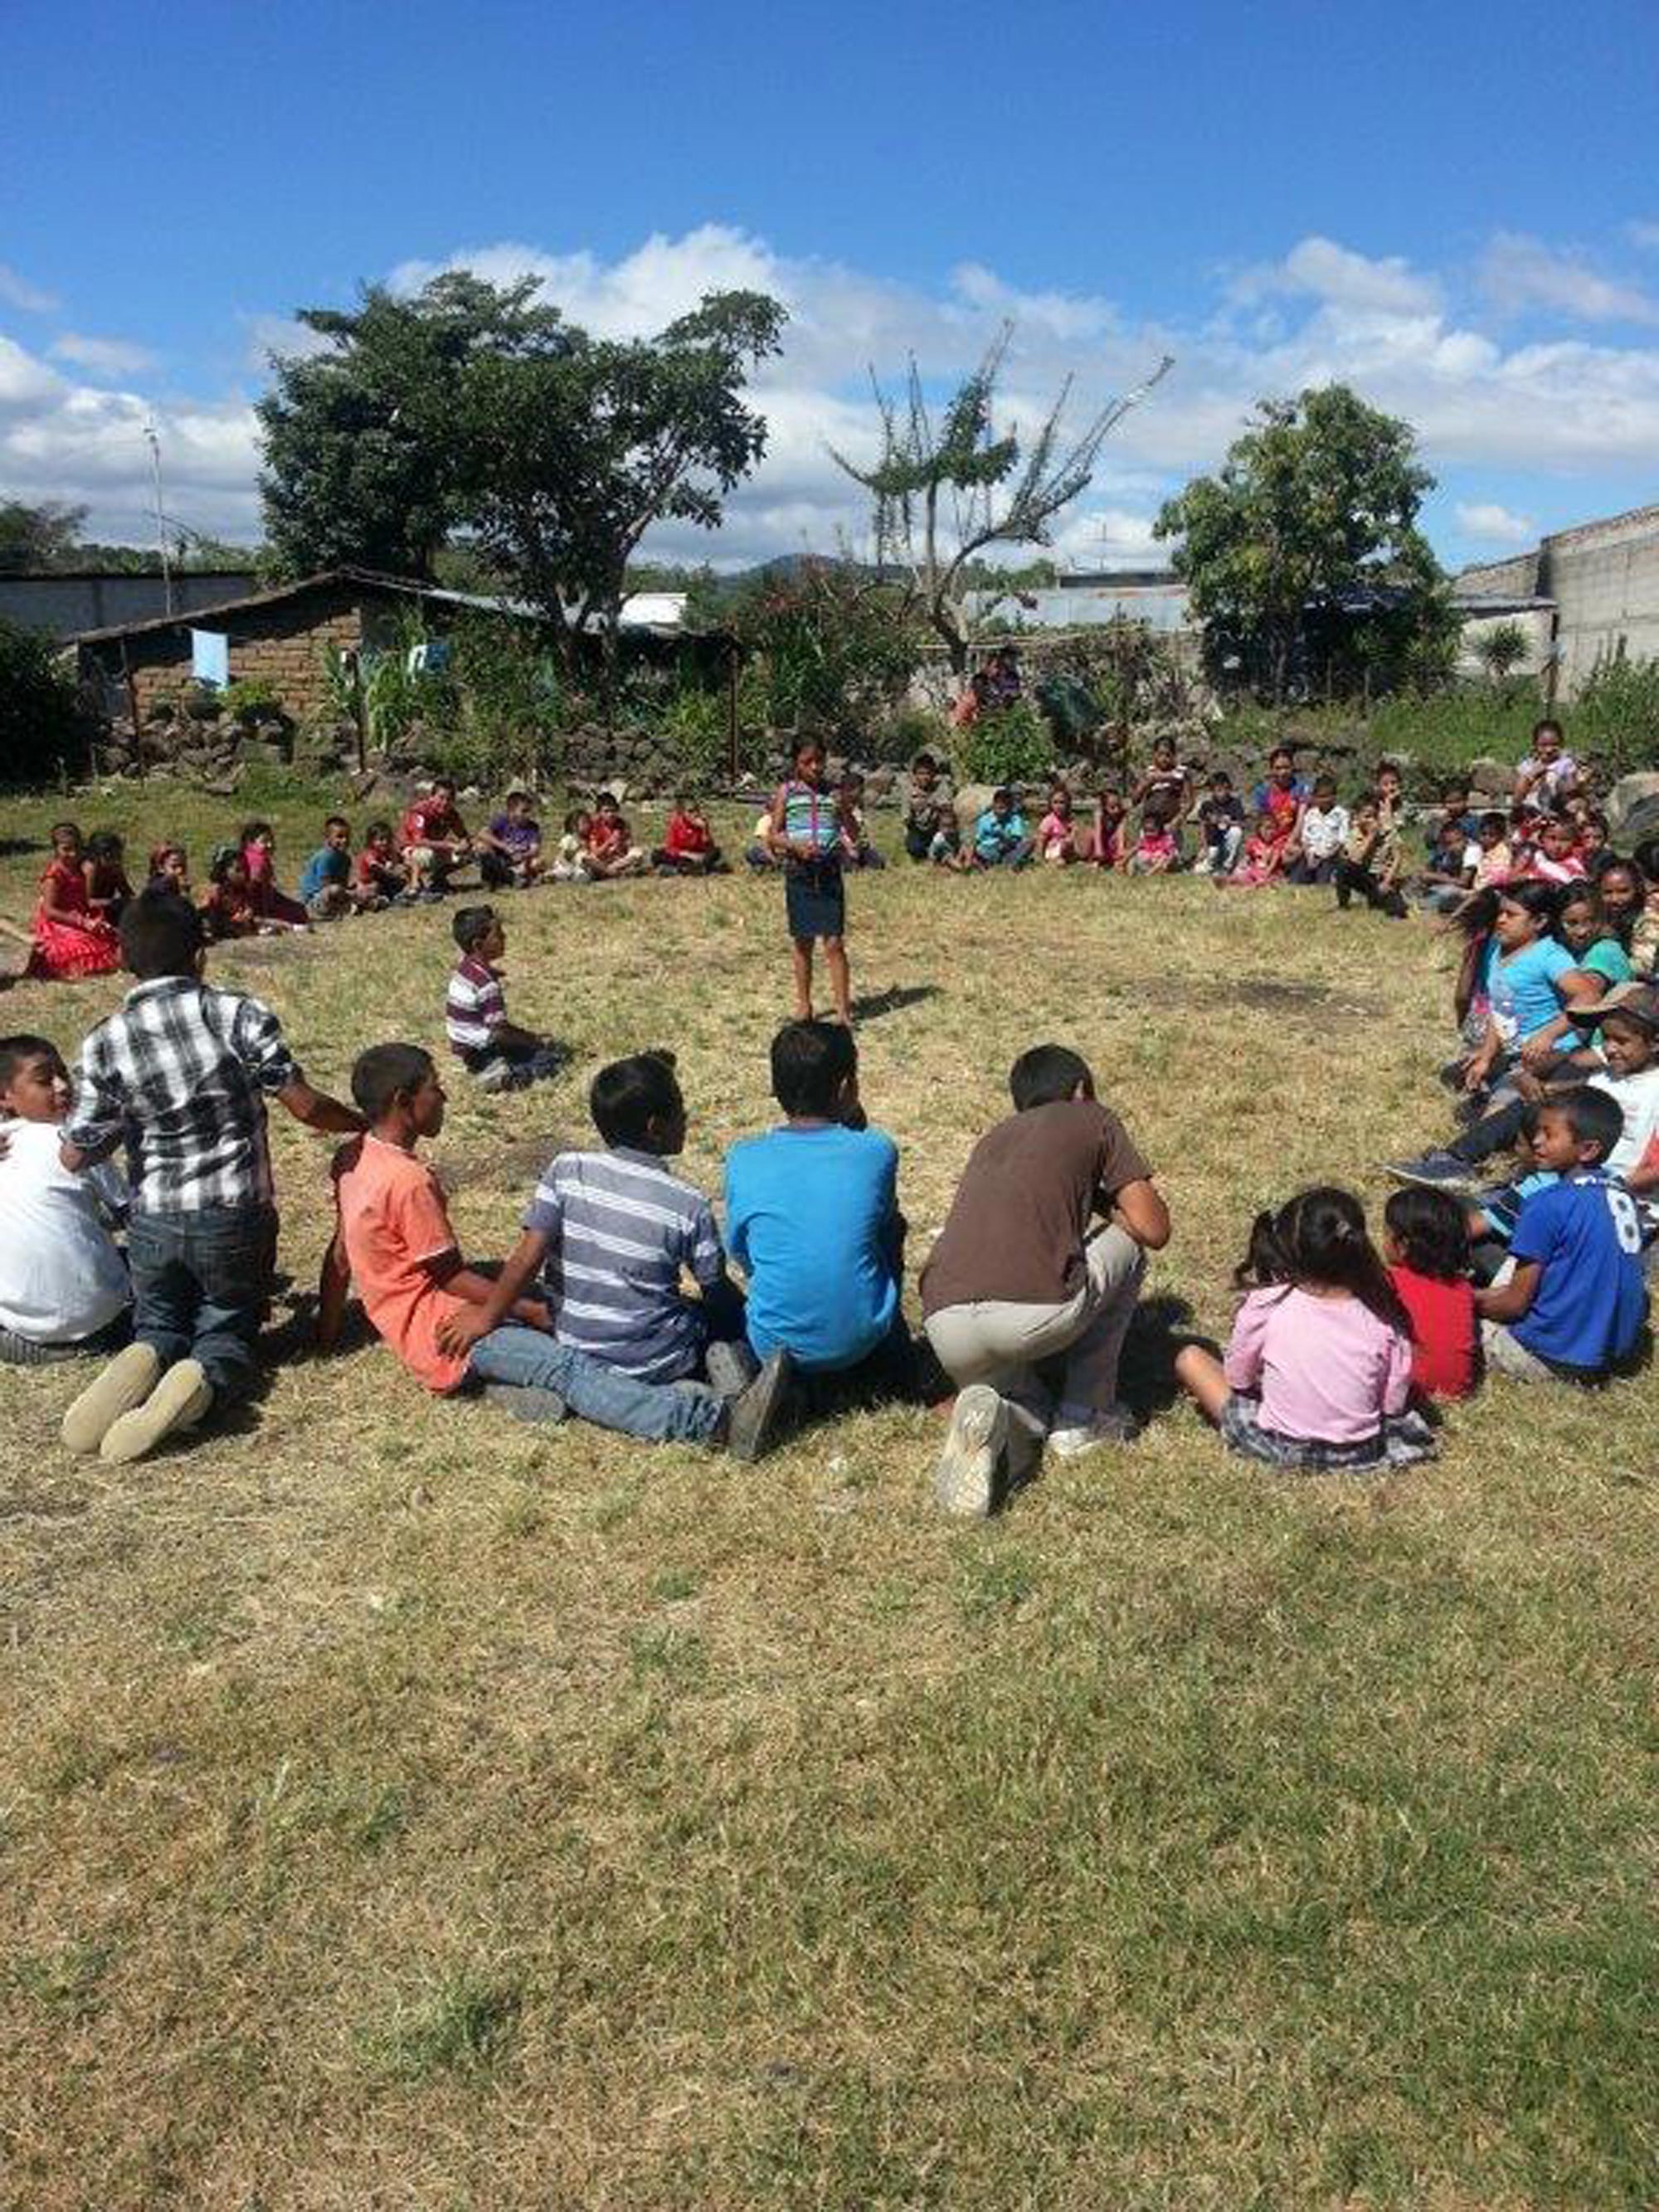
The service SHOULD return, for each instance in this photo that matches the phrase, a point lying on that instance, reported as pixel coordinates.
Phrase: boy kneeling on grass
(1571, 1302)
(1018, 1278)
(449, 1323)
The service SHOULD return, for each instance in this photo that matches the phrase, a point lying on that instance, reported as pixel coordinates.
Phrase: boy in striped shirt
(497, 1052)
(610, 1234)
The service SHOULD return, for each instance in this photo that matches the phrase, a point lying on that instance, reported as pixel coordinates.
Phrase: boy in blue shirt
(326, 890)
(1001, 838)
(1571, 1303)
(811, 1213)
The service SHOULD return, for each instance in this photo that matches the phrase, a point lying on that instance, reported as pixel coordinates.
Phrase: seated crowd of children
(1337, 1354)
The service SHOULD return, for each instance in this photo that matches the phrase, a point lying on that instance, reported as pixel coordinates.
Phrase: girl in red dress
(70, 938)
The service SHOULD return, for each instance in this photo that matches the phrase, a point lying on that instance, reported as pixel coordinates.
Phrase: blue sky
(1456, 211)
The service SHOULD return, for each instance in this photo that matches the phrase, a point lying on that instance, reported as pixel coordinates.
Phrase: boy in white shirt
(1320, 837)
(64, 1284)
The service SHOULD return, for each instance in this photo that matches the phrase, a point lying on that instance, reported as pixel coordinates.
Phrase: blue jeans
(201, 1287)
(662, 1411)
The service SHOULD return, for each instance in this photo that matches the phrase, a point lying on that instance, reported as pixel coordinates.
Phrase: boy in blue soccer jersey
(1570, 1304)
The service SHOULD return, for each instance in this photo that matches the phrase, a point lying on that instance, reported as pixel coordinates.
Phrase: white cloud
(1493, 524)
(1320, 269)
(1517, 414)
(1644, 235)
(17, 292)
(1518, 272)
(102, 356)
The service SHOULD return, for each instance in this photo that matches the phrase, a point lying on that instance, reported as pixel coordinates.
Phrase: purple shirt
(1327, 1370)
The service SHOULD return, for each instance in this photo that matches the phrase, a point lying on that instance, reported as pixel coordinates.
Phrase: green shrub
(1012, 745)
(1615, 718)
(253, 699)
(696, 726)
(911, 730)
(43, 727)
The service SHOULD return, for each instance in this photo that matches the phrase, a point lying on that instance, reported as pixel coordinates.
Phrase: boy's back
(394, 1223)
(1016, 1229)
(181, 1071)
(1586, 1235)
(61, 1276)
(622, 1228)
(812, 1217)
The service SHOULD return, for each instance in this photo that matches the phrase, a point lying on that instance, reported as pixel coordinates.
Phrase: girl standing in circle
(804, 832)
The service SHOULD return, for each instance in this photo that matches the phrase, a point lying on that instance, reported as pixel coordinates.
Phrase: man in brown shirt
(1019, 1276)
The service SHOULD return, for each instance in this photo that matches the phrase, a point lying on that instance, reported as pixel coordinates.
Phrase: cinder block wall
(1605, 582)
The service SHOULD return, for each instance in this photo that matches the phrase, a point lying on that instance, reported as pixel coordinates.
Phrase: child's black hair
(1547, 722)
(17, 1051)
(162, 934)
(376, 830)
(630, 1094)
(471, 925)
(1491, 819)
(1220, 776)
(335, 821)
(1320, 1236)
(386, 1073)
(1431, 1231)
(1594, 1116)
(1047, 1074)
(105, 845)
(1541, 900)
(250, 831)
(1477, 914)
(574, 820)
(1265, 1260)
(924, 760)
(811, 1061)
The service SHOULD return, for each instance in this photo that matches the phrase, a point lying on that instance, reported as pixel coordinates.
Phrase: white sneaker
(964, 1481)
(1112, 1425)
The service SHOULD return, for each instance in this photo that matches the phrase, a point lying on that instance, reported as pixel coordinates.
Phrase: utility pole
(161, 525)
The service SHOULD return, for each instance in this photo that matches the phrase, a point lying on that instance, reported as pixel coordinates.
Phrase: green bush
(253, 699)
(911, 730)
(696, 726)
(1012, 745)
(43, 728)
(1615, 718)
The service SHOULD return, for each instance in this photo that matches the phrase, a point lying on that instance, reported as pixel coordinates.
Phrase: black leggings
(1352, 877)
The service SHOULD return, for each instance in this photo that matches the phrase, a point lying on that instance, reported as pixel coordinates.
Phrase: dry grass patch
(400, 1807)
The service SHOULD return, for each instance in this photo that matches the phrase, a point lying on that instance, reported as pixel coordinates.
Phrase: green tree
(944, 490)
(38, 540)
(363, 466)
(42, 727)
(1502, 649)
(572, 453)
(1318, 499)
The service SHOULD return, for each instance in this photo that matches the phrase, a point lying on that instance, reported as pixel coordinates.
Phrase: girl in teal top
(806, 831)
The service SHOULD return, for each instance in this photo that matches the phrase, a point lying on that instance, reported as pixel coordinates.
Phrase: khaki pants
(998, 1341)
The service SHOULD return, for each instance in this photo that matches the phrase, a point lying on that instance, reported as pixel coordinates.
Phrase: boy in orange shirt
(395, 1242)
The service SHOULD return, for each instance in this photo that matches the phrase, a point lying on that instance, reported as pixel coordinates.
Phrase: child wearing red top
(688, 847)
(610, 851)
(1427, 1245)
(70, 940)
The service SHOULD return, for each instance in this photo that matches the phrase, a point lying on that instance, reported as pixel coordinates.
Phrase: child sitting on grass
(1371, 861)
(688, 847)
(1426, 1240)
(1108, 848)
(180, 1073)
(1494, 862)
(1157, 849)
(1570, 1303)
(380, 877)
(510, 849)
(607, 1237)
(812, 1218)
(433, 838)
(1040, 1261)
(1057, 832)
(1220, 828)
(570, 861)
(1001, 837)
(1317, 847)
(495, 1052)
(447, 1322)
(169, 869)
(856, 849)
(1263, 859)
(1318, 1370)
(228, 909)
(70, 940)
(273, 906)
(930, 816)
(64, 1284)
(609, 852)
(326, 891)
(104, 871)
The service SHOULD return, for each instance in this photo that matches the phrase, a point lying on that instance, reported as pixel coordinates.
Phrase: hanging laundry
(210, 657)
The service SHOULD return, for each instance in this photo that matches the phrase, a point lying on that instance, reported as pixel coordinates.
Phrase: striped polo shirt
(621, 1229)
(474, 1007)
(812, 818)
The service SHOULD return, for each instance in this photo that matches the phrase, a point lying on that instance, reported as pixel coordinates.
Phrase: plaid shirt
(181, 1072)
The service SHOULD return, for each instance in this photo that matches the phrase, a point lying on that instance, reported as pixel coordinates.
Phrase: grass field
(399, 1808)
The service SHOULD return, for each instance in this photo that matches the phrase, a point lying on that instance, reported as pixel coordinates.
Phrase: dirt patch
(1268, 997)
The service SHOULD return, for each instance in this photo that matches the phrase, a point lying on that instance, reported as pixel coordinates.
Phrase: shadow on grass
(1159, 1329)
(877, 1003)
(11, 847)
